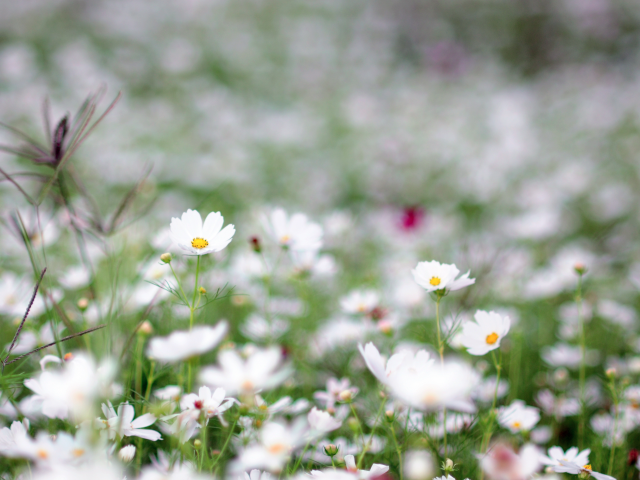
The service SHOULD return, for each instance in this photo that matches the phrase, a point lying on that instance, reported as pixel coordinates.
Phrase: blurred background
(500, 135)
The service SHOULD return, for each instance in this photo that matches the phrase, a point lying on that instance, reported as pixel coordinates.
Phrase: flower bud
(202, 291)
(632, 459)
(354, 424)
(580, 268)
(68, 357)
(255, 244)
(145, 328)
(345, 396)
(197, 443)
(127, 453)
(448, 466)
(390, 416)
(83, 303)
(331, 450)
(166, 257)
(611, 372)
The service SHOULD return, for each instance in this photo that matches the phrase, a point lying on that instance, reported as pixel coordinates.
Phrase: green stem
(441, 351)
(355, 415)
(192, 307)
(224, 447)
(489, 430)
(366, 446)
(150, 380)
(398, 451)
(184, 295)
(612, 455)
(583, 343)
(203, 440)
(299, 461)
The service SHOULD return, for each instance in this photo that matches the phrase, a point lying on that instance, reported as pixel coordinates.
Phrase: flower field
(260, 240)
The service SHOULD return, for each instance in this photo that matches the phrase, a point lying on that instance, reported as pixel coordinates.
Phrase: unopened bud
(448, 466)
(611, 372)
(331, 450)
(385, 327)
(202, 291)
(83, 303)
(580, 268)
(197, 443)
(127, 453)
(632, 459)
(166, 257)
(345, 396)
(255, 244)
(145, 328)
(390, 416)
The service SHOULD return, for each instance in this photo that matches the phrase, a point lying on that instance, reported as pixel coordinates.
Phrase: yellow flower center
(516, 424)
(493, 338)
(435, 281)
(587, 467)
(247, 385)
(277, 448)
(42, 453)
(263, 407)
(77, 452)
(285, 239)
(199, 243)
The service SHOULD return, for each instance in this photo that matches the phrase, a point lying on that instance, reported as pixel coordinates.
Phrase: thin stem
(224, 447)
(441, 351)
(395, 441)
(612, 455)
(582, 363)
(489, 430)
(193, 301)
(366, 446)
(150, 380)
(203, 441)
(355, 415)
(300, 457)
(184, 295)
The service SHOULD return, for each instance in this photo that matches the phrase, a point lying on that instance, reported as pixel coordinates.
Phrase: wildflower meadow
(262, 240)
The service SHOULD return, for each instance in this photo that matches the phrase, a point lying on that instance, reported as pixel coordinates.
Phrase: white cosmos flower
(502, 463)
(404, 360)
(485, 333)
(122, 423)
(518, 417)
(376, 469)
(191, 235)
(295, 232)
(434, 276)
(322, 422)
(275, 443)
(575, 469)
(573, 455)
(210, 404)
(359, 301)
(185, 344)
(262, 370)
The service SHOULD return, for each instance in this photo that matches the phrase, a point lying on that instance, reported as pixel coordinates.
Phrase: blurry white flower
(541, 435)
(75, 277)
(617, 313)
(260, 329)
(384, 371)
(10, 438)
(310, 261)
(502, 463)
(95, 470)
(179, 471)
(558, 407)
(180, 345)
(322, 422)
(296, 232)
(486, 390)
(434, 276)
(122, 423)
(191, 235)
(72, 389)
(334, 388)
(262, 370)
(418, 465)
(485, 333)
(360, 301)
(257, 475)
(126, 454)
(376, 469)
(573, 455)
(564, 355)
(275, 443)
(518, 417)
(570, 467)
